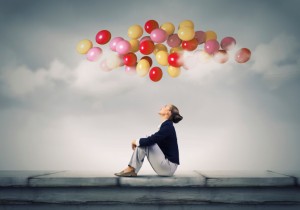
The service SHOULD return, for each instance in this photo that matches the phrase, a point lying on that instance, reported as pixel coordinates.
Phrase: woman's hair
(175, 116)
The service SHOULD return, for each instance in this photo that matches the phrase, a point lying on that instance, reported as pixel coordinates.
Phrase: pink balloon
(211, 46)
(94, 54)
(174, 40)
(123, 47)
(144, 38)
(158, 35)
(130, 70)
(113, 43)
(200, 36)
(228, 43)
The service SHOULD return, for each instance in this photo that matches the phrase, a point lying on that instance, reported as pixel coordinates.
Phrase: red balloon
(175, 59)
(190, 45)
(102, 37)
(155, 74)
(150, 25)
(129, 59)
(147, 47)
(243, 55)
(148, 59)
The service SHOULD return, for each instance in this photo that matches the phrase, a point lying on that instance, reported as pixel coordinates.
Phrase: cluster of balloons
(167, 47)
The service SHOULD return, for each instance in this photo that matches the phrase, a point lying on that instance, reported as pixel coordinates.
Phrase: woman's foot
(127, 172)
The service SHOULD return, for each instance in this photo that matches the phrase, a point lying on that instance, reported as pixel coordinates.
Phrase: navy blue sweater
(166, 139)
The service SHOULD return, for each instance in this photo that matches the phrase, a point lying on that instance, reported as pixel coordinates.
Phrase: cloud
(277, 61)
(86, 79)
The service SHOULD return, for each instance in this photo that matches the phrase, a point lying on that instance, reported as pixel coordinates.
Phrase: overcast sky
(59, 111)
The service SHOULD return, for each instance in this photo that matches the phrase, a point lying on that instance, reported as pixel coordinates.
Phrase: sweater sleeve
(157, 137)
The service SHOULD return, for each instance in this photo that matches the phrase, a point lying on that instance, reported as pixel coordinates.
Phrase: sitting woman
(161, 148)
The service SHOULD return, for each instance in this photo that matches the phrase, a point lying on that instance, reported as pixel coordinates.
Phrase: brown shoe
(127, 174)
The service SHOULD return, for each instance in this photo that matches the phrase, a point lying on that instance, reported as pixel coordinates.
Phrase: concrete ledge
(190, 187)
(195, 178)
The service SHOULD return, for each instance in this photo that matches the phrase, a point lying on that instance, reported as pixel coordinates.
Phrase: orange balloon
(210, 35)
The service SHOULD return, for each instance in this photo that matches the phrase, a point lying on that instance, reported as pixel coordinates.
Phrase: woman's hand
(133, 144)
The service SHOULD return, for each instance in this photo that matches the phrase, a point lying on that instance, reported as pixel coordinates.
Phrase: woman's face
(165, 110)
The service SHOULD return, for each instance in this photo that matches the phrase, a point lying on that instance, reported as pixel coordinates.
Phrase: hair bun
(177, 118)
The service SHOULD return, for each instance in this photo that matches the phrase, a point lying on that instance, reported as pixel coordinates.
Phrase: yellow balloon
(168, 27)
(176, 49)
(159, 47)
(186, 23)
(210, 35)
(135, 31)
(142, 68)
(83, 46)
(162, 58)
(186, 33)
(134, 45)
(173, 71)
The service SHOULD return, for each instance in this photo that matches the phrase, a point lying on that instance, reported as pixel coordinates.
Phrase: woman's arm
(157, 137)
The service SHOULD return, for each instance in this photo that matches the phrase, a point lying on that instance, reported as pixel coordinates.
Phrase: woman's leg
(161, 165)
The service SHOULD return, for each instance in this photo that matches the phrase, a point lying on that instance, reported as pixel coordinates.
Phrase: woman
(160, 148)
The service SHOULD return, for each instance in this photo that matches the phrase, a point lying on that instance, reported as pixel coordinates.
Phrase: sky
(59, 111)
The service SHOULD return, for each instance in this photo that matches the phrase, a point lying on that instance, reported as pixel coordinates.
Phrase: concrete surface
(196, 189)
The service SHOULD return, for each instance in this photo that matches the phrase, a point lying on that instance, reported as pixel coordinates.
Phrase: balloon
(168, 27)
(150, 25)
(113, 43)
(148, 59)
(135, 32)
(173, 40)
(211, 46)
(200, 36)
(155, 74)
(94, 54)
(186, 33)
(175, 59)
(145, 38)
(186, 23)
(123, 47)
(221, 56)
(162, 58)
(242, 55)
(121, 59)
(103, 65)
(158, 35)
(83, 46)
(102, 37)
(113, 62)
(129, 59)
(190, 45)
(134, 43)
(130, 70)
(204, 57)
(146, 47)
(210, 35)
(176, 49)
(173, 71)
(142, 68)
(160, 47)
(228, 43)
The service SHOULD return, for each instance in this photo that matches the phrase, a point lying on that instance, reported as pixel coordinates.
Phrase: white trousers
(161, 165)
